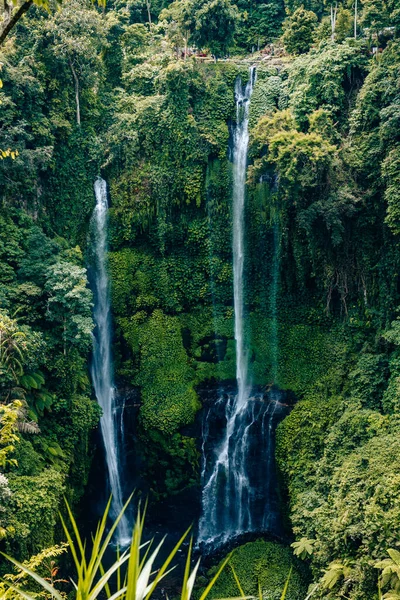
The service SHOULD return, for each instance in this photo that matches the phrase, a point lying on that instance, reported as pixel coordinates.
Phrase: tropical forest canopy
(142, 92)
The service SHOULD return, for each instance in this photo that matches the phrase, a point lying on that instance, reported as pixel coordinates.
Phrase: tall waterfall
(240, 147)
(238, 471)
(102, 363)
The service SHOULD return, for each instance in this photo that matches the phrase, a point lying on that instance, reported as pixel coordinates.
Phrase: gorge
(213, 321)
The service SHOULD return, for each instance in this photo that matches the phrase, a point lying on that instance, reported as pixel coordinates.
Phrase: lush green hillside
(124, 92)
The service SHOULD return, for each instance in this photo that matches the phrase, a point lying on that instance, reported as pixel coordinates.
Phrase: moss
(33, 510)
(265, 564)
(304, 353)
(171, 462)
(29, 461)
(267, 94)
(300, 439)
(165, 376)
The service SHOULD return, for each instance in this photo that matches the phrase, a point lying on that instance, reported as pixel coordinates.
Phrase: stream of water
(229, 494)
(102, 362)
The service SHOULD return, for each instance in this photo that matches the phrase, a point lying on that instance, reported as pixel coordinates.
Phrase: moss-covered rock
(262, 565)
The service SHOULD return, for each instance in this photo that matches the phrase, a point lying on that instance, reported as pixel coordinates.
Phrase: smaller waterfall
(102, 363)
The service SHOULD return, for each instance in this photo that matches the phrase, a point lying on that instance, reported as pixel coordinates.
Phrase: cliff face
(321, 274)
(171, 259)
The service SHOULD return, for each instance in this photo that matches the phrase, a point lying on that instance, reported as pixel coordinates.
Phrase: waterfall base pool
(240, 489)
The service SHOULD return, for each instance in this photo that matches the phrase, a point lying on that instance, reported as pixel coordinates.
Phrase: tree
(18, 347)
(260, 23)
(213, 24)
(344, 24)
(13, 13)
(206, 23)
(5, 495)
(176, 18)
(299, 31)
(391, 173)
(9, 415)
(378, 14)
(69, 304)
(6, 153)
(78, 35)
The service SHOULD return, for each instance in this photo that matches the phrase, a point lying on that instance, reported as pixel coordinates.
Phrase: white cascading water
(102, 363)
(238, 468)
(240, 147)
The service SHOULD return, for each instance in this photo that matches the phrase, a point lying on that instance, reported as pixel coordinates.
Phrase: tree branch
(14, 19)
(78, 109)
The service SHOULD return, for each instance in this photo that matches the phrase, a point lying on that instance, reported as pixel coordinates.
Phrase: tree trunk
(78, 109)
(10, 21)
(355, 20)
(6, 14)
(333, 20)
(148, 11)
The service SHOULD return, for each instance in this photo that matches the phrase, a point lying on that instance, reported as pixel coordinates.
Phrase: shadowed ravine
(238, 476)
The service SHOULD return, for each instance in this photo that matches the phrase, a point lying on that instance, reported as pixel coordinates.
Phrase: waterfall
(102, 363)
(240, 147)
(238, 468)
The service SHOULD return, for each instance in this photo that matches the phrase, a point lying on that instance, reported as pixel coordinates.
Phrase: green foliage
(206, 23)
(37, 380)
(303, 548)
(321, 215)
(69, 305)
(213, 23)
(33, 510)
(368, 380)
(391, 170)
(306, 354)
(172, 462)
(13, 14)
(342, 488)
(268, 95)
(344, 24)
(43, 564)
(137, 580)
(390, 573)
(300, 439)
(8, 436)
(261, 566)
(334, 73)
(299, 31)
(165, 377)
(260, 23)
(379, 15)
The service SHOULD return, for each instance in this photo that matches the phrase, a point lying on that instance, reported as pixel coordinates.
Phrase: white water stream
(102, 363)
(240, 148)
(227, 492)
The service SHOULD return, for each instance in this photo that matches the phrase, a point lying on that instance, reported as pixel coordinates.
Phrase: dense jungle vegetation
(142, 93)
